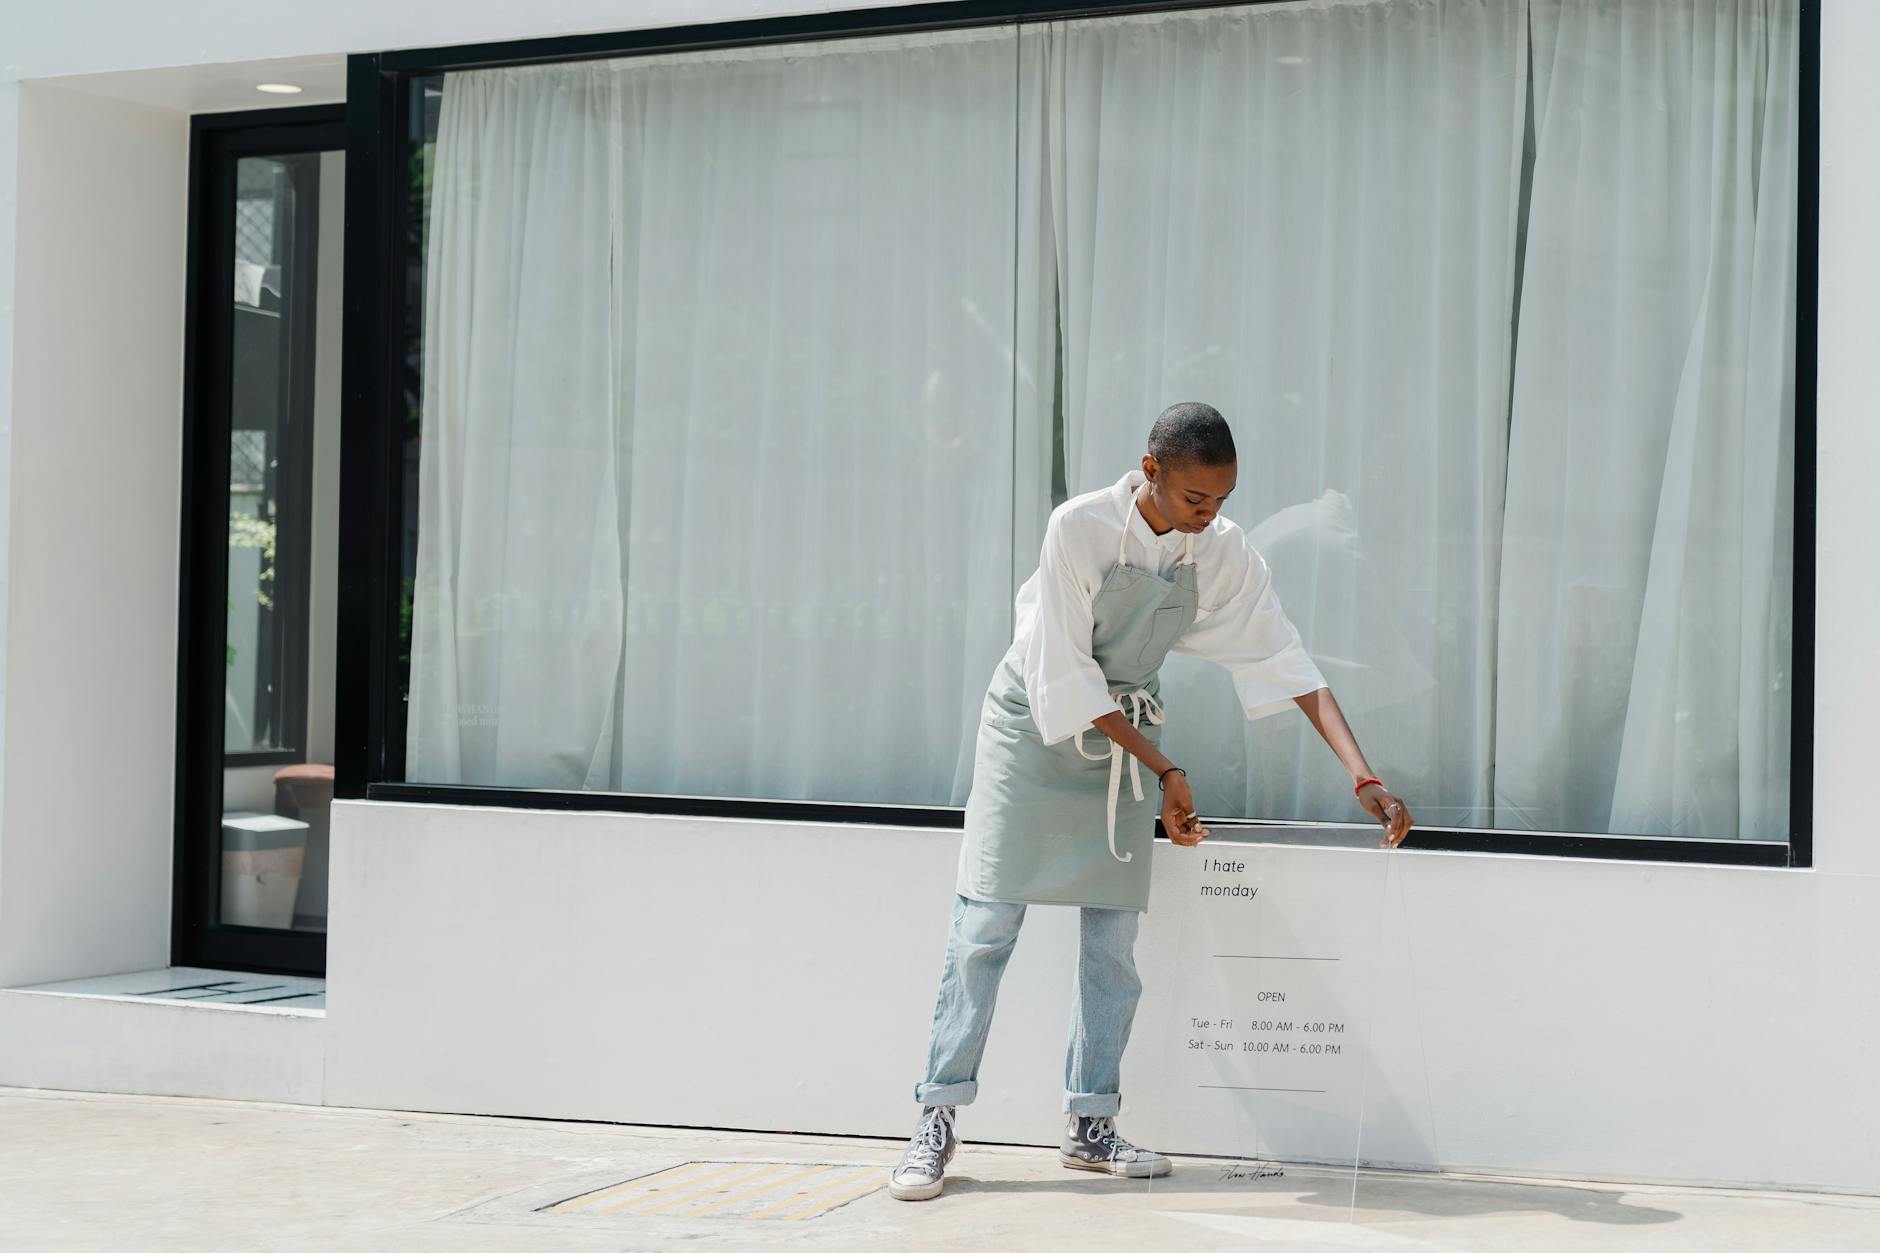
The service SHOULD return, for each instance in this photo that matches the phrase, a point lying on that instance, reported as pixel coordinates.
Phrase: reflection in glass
(276, 790)
(266, 579)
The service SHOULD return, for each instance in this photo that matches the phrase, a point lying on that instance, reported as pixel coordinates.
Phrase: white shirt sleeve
(1063, 682)
(1249, 635)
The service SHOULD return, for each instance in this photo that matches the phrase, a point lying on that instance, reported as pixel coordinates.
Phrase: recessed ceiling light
(279, 89)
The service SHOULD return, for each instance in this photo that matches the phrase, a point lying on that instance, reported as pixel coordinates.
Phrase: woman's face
(1189, 495)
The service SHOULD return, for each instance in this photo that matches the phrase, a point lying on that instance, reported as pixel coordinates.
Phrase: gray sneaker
(922, 1171)
(1092, 1144)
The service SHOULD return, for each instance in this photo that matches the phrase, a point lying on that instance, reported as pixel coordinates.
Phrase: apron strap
(1137, 703)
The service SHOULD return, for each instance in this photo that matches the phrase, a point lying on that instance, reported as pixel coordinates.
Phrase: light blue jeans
(1107, 989)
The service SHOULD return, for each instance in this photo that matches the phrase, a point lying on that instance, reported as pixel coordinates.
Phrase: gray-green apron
(1048, 824)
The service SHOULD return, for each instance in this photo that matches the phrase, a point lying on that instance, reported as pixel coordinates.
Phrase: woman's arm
(1329, 721)
(1178, 802)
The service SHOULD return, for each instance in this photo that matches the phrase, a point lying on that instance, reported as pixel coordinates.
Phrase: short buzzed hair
(1192, 433)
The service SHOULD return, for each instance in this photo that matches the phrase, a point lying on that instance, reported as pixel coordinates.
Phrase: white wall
(1572, 1017)
(1847, 599)
(9, 215)
(1561, 1018)
(94, 499)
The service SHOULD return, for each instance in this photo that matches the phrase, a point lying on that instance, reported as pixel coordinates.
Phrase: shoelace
(1102, 1131)
(930, 1141)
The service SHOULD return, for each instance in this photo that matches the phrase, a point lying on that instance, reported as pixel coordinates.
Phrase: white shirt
(1239, 623)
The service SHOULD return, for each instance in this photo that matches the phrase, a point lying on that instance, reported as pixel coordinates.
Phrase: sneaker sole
(1127, 1170)
(916, 1192)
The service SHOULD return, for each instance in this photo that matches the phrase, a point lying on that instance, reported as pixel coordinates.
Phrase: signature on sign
(1254, 1171)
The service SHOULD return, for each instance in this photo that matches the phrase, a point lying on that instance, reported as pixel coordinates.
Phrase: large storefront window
(742, 383)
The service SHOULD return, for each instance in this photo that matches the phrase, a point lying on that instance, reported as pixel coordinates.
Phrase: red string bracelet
(1363, 783)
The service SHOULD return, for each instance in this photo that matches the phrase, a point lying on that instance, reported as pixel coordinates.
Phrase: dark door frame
(218, 141)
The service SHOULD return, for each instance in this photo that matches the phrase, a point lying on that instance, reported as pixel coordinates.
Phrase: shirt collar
(1133, 521)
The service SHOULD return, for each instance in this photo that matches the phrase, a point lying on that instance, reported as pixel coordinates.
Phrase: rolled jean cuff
(1093, 1104)
(946, 1093)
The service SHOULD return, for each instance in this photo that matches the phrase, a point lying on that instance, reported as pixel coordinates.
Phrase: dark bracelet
(1162, 779)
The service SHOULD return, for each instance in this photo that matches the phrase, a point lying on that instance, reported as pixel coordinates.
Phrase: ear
(1149, 467)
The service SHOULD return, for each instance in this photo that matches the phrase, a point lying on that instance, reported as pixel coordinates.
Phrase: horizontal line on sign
(1235, 1087)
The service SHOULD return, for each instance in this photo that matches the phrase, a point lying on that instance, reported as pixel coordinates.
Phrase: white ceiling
(220, 88)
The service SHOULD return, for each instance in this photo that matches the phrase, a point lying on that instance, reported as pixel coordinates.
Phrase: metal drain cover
(730, 1189)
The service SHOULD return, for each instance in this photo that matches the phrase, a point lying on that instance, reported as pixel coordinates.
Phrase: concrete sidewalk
(80, 1171)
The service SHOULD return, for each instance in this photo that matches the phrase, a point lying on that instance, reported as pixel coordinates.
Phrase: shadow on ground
(1376, 1199)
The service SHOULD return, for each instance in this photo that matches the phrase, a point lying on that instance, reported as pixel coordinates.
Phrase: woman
(1126, 575)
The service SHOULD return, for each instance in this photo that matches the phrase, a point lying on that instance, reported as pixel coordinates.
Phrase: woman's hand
(1178, 812)
(1322, 709)
(1387, 808)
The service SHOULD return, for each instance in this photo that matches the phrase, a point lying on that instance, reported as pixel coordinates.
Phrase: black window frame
(218, 142)
(370, 716)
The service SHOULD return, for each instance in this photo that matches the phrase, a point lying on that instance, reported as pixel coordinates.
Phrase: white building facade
(828, 309)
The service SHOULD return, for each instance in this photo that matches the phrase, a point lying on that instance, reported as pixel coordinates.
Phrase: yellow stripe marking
(797, 1201)
(638, 1182)
(822, 1207)
(743, 1193)
(695, 1191)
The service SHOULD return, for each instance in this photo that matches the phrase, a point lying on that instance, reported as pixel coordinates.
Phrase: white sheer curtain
(750, 378)
(718, 421)
(1305, 216)
(1645, 609)
(516, 605)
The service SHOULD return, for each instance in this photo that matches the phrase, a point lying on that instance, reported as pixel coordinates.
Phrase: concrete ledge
(78, 1042)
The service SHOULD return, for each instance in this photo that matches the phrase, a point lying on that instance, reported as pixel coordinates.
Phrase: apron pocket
(1162, 635)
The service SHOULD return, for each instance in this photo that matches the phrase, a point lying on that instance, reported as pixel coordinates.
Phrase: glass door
(260, 532)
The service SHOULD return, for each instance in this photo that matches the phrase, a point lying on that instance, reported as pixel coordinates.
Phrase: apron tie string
(1135, 704)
